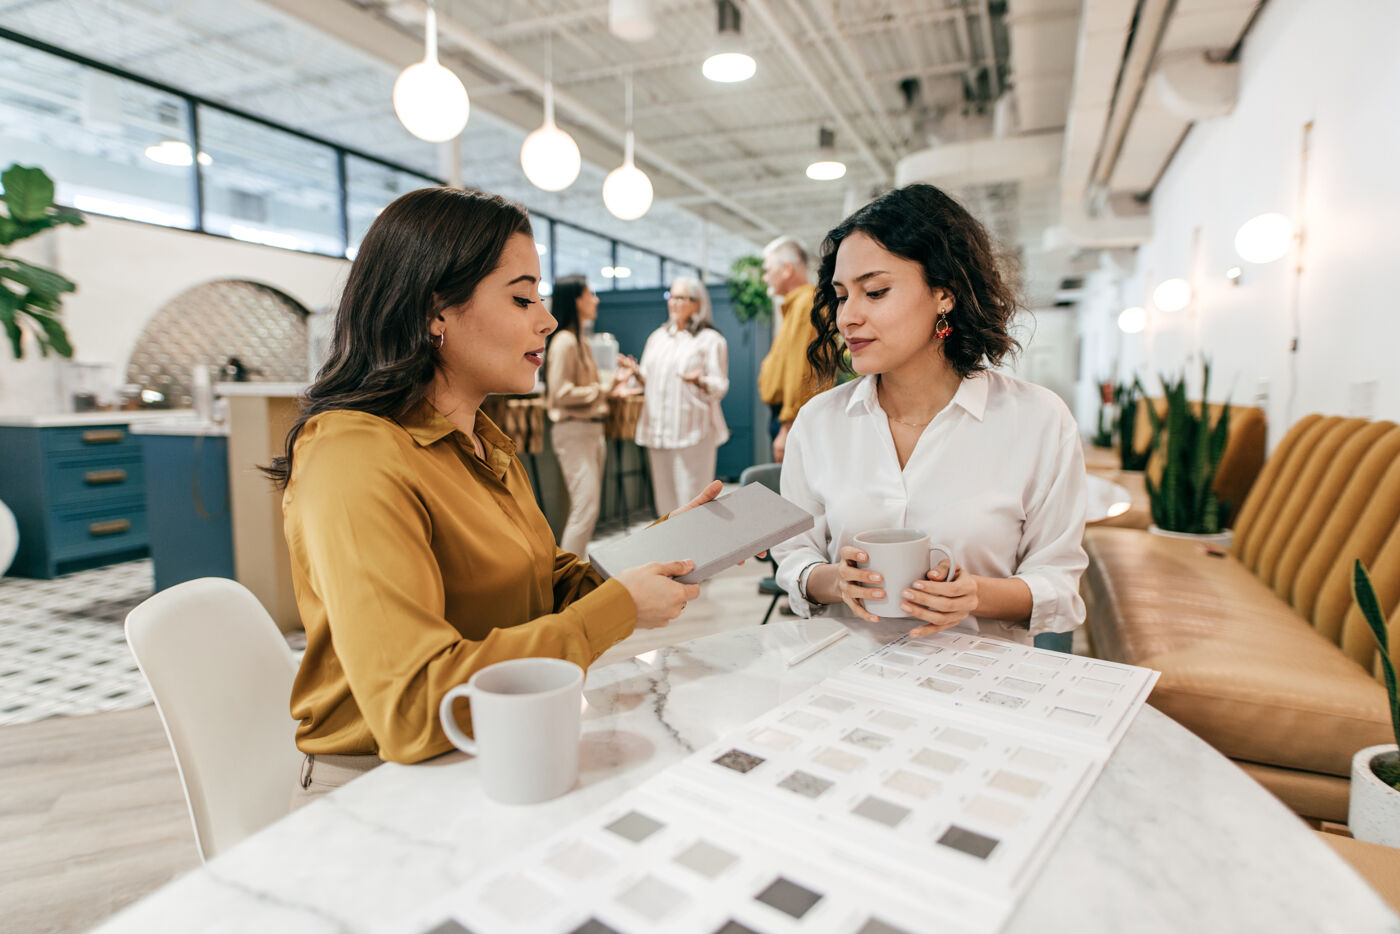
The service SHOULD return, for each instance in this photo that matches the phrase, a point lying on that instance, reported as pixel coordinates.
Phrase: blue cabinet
(78, 495)
(191, 530)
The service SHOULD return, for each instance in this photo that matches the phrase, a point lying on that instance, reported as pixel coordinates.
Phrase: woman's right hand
(855, 585)
(658, 596)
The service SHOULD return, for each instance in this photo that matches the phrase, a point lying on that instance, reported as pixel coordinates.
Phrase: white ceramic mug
(525, 714)
(900, 557)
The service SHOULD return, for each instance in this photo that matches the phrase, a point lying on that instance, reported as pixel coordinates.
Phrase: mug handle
(449, 723)
(947, 553)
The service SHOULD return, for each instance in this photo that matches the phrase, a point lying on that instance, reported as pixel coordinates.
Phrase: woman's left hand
(939, 603)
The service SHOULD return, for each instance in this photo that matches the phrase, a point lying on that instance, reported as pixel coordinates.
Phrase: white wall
(1332, 63)
(125, 272)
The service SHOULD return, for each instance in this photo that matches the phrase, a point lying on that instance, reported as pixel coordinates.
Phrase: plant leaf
(9, 308)
(36, 279)
(54, 336)
(1370, 607)
(28, 192)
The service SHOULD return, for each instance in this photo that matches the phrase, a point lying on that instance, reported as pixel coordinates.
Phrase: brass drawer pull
(100, 477)
(104, 436)
(109, 527)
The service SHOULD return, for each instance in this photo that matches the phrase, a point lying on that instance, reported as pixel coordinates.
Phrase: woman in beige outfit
(578, 407)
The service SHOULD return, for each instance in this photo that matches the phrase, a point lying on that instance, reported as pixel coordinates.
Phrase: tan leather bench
(1262, 652)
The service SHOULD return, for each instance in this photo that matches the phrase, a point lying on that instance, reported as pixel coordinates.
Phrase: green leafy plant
(30, 295)
(1386, 769)
(748, 292)
(1191, 449)
(1126, 397)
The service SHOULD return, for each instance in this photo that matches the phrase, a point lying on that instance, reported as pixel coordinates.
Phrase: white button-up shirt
(998, 476)
(677, 414)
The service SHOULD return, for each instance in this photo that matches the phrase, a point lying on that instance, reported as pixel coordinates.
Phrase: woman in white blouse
(684, 371)
(929, 437)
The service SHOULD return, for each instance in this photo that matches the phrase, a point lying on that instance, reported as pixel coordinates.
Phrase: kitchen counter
(189, 426)
(83, 419)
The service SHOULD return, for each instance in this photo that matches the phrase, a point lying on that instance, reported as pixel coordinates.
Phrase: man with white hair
(786, 381)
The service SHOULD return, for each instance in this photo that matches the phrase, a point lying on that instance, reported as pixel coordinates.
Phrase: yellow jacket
(785, 378)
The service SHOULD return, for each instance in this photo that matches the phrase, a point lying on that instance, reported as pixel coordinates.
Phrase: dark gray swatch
(876, 926)
(789, 897)
(739, 761)
(594, 926)
(973, 844)
(734, 927)
(449, 927)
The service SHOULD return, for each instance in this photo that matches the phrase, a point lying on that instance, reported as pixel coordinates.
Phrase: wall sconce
(1264, 239)
(1172, 295)
(1233, 274)
(1132, 320)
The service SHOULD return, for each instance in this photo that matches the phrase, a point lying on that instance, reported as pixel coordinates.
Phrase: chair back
(221, 674)
(770, 475)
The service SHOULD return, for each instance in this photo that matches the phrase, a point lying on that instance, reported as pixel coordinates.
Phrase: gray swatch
(866, 739)
(706, 859)
(594, 926)
(635, 826)
(876, 926)
(969, 842)
(739, 761)
(806, 784)
(881, 811)
(734, 927)
(449, 927)
(789, 897)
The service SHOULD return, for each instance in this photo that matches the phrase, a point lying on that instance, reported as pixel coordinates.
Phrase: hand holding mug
(857, 584)
(940, 603)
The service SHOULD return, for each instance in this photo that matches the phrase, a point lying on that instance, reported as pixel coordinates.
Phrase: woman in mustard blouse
(418, 552)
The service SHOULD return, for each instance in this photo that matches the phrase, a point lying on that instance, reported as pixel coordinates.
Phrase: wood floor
(92, 817)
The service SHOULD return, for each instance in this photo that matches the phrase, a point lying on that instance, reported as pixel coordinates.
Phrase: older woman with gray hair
(684, 371)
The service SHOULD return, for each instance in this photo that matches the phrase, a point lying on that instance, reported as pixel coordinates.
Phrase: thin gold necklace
(905, 421)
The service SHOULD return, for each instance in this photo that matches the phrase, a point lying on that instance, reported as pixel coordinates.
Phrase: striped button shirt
(677, 414)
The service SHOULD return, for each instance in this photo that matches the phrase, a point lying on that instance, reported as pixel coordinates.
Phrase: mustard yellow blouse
(415, 563)
(785, 377)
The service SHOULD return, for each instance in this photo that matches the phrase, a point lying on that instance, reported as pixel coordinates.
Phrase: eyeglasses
(683, 298)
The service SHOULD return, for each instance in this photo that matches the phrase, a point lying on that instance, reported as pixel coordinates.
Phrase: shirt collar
(804, 291)
(971, 395)
(427, 426)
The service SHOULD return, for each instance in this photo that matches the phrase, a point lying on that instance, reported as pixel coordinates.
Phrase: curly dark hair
(922, 223)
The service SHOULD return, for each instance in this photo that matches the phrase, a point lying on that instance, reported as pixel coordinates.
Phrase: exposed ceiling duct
(1194, 87)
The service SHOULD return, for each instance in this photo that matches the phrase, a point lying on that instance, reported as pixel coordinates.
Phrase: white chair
(221, 674)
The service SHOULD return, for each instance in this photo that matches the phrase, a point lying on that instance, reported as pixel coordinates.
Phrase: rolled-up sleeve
(801, 550)
(1051, 555)
(714, 378)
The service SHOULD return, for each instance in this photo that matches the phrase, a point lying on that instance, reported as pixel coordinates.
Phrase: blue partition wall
(632, 314)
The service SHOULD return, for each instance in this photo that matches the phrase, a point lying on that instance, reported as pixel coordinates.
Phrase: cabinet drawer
(96, 481)
(79, 533)
(115, 440)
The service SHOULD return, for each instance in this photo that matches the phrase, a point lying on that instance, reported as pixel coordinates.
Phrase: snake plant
(1127, 396)
(1386, 769)
(1191, 448)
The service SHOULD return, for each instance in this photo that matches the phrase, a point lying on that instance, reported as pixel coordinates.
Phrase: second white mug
(900, 557)
(526, 715)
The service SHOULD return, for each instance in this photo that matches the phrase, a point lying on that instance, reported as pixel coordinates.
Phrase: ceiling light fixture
(1264, 239)
(429, 99)
(549, 156)
(631, 20)
(827, 167)
(729, 60)
(1172, 295)
(1132, 320)
(627, 191)
(174, 152)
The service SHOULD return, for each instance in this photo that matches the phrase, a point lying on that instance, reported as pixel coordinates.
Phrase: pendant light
(827, 167)
(1132, 320)
(1264, 239)
(729, 60)
(1172, 295)
(549, 156)
(631, 20)
(429, 99)
(627, 190)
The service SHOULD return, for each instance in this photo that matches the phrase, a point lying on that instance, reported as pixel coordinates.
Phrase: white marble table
(1172, 838)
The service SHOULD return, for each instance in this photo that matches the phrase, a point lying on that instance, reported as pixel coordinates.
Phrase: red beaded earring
(942, 327)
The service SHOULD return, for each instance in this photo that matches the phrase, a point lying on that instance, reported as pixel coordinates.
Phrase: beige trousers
(582, 451)
(323, 774)
(679, 474)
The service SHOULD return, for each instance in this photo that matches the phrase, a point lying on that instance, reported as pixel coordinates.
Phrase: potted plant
(1103, 434)
(748, 291)
(1189, 449)
(1126, 397)
(30, 295)
(1374, 811)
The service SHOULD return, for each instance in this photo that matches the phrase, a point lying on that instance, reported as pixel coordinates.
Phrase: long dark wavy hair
(922, 223)
(563, 305)
(425, 252)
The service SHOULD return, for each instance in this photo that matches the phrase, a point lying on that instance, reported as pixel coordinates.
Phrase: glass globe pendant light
(627, 191)
(429, 99)
(549, 156)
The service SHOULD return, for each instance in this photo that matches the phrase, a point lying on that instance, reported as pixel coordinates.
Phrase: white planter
(1374, 814)
(1221, 539)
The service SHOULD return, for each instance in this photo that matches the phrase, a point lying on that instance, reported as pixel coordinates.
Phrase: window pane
(369, 187)
(583, 253)
(111, 145)
(674, 270)
(266, 186)
(644, 268)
